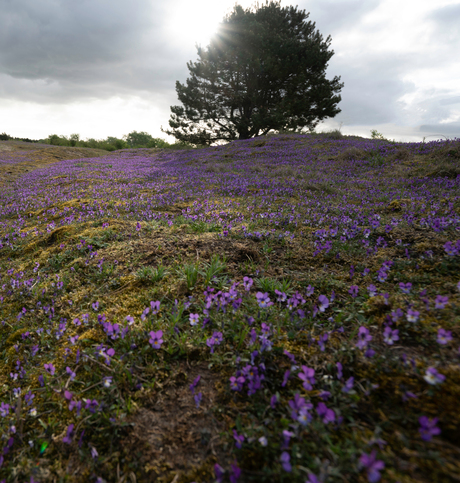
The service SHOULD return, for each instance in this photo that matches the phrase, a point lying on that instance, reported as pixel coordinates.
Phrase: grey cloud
(335, 15)
(83, 49)
(451, 129)
(373, 85)
(450, 100)
(446, 21)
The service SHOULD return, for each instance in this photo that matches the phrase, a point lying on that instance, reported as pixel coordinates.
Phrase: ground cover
(279, 309)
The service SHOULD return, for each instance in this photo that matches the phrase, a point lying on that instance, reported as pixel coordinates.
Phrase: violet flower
(285, 459)
(354, 290)
(372, 466)
(239, 439)
(68, 437)
(412, 315)
(339, 370)
(433, 377)
(323, 302)
(155, 339)
(390, 336)
(348, 385)
(428, 428)
(308, 377)
(50, 369)
(263, 300)
(444, 336)
(363, 338)
(327, 414)
(441, 302)
(405, 287)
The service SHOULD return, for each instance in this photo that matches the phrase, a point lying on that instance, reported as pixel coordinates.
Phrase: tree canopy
(263, 70)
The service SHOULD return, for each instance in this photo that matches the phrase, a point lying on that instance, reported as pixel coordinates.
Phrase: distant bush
(132, 140)
(335, 134)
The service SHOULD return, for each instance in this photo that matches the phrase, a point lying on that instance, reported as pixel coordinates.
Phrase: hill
(284, 308)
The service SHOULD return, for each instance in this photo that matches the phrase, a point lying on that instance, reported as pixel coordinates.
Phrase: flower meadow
(284, 309)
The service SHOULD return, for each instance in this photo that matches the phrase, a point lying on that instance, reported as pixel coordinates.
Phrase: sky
(109, 67)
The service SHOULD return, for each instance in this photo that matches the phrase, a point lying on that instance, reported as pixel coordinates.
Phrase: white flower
(263, 441)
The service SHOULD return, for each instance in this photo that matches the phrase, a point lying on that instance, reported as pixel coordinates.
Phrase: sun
(195, 22)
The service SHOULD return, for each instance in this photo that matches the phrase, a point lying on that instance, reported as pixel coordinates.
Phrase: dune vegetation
(279, 309)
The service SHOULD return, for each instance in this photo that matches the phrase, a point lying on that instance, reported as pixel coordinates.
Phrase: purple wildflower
(441, 302)
(312, 478)
(373, 466)
(348, 385)
(323, 302)
(433, 377)
(247, 283)
(428, 428)
(372, 289)
(50, 369)
(235, 473)
(327, 414)
(195, 383)
(304, 416)
(322, 341)
(297, 404)
(412, 315)
(405, 287)
(354, 289)
(280, 296)
(396, 315)
(106, 381)
(444, 336)
(363, 338)
(286, 378)
(263, 300)
(339, 370)
(308, 377)
(239, 439)
(194, 318)
(70, 373)
(390, 336)
(219, 472)
(215, 339)
(91, 405)
(285, 459)
(4, 409)
(68, 437)
(450, 249)
(236, 383)
(155, 307)
(155, 339)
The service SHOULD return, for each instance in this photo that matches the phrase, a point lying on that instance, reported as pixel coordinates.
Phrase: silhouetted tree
(263, 70)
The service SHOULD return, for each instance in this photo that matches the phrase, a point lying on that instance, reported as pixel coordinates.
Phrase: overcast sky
(107, 67)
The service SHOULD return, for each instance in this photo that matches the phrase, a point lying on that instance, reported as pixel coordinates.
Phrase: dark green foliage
(144, 140)
(264, 70)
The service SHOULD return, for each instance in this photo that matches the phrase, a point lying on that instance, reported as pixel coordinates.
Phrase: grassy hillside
(284, 309)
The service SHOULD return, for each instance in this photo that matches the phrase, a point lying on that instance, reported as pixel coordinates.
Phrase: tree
(263, 70)
(138, 139)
